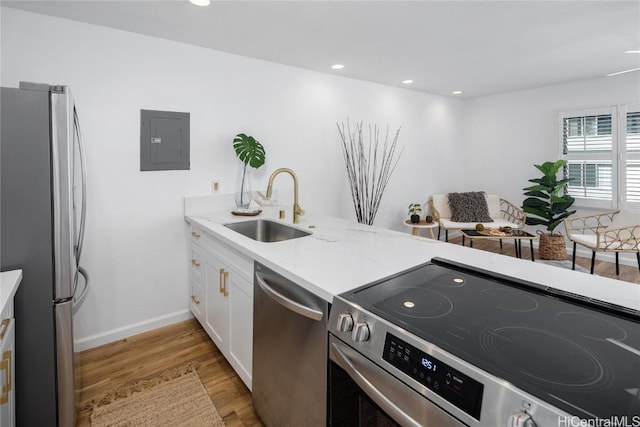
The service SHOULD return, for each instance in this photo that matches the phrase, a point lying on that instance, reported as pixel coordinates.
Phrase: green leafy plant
(546, 200)
(415, 209)
(251, 153)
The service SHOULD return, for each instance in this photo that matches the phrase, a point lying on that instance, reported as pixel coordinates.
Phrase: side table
(422, 224)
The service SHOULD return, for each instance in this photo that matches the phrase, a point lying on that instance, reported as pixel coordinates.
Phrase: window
(602, 149)
(632, 148)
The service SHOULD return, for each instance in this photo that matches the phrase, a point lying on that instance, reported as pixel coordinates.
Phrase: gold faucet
(297, 210)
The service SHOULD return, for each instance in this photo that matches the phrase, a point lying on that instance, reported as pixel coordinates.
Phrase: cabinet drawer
(7, 313)
(231, 258)
(196, 302)
(197, 264)
(197, 235)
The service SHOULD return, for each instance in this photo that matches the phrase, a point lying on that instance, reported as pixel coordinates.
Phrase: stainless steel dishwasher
(289, 384)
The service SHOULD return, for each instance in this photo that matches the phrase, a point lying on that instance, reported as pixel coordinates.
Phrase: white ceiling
(479, 47)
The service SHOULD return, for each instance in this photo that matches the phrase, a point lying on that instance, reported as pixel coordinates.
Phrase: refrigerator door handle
(77, 301)
(83, 170)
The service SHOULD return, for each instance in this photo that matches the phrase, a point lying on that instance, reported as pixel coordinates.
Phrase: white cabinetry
(196, 281)
(217, 308)
(7, 371)
(222, 298)
(241, 326)
(8, 286)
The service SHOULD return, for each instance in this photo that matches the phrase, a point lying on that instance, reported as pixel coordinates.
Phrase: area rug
(177, 398)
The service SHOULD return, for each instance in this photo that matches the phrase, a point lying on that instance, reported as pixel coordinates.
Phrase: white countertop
(341, 255)
(9, 281)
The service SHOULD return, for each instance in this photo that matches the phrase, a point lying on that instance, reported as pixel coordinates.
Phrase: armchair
(614, 231)
(503, 212)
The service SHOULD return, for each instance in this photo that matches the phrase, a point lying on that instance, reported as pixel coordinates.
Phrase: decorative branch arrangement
(369, 167)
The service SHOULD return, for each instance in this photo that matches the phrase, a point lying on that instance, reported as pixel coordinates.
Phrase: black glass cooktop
(575, 355)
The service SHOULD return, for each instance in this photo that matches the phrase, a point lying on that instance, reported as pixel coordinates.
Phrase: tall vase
(243, 187)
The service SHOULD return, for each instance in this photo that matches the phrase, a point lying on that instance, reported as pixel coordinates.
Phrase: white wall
(135, 246)
(506, 134)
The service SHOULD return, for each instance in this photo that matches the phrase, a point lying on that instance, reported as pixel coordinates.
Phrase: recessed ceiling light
(456, 92)
(337, 66)
(407, 82)
(200, 2)
(623, 72)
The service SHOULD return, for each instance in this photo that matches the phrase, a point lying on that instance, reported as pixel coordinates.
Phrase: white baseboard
(130, 330)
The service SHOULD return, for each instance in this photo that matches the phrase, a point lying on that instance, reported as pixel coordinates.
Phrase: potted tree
(251, 153)
(415, 209)
(548, 204)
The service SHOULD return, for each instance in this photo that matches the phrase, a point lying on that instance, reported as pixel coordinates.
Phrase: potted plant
(415, 209)
(548, 204)
(251, 153)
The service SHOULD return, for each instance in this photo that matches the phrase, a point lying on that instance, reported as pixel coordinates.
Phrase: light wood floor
(628, 273)
(146, 355)
(142, 356)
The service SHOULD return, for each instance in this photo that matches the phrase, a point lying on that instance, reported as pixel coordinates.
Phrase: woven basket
(552, 246)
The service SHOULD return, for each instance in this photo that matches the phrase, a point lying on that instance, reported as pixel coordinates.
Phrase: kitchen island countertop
(341, 255)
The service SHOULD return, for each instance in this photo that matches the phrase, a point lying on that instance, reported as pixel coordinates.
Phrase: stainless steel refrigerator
(42, 215)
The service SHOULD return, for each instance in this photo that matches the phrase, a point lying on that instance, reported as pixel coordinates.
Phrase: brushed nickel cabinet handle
(195, 263)
(3, 327)
(195, 299)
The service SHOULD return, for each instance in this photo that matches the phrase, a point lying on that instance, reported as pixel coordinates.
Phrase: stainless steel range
(445, 344)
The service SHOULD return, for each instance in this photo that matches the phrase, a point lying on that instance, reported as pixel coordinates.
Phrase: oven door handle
(368, 387)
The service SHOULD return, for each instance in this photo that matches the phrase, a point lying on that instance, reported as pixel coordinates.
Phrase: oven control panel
(452, 385)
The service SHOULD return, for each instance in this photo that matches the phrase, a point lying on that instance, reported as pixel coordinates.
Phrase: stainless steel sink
(263, 230)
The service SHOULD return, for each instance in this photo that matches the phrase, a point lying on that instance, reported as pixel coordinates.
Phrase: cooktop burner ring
(509, 299)
(532, 359)
(449, 280)
(419, 303)
(590, 326)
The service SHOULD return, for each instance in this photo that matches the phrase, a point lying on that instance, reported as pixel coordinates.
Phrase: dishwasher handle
(292, 305)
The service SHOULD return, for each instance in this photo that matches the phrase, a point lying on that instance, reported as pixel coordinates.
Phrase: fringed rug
(174, 398)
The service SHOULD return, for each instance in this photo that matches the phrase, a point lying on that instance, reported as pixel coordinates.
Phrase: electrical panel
(164, 140)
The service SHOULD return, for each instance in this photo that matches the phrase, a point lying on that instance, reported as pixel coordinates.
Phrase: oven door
(363, 394)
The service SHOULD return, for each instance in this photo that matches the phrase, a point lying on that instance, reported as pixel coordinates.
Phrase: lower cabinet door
(7, 372)
(217, 311)
(241, 327)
